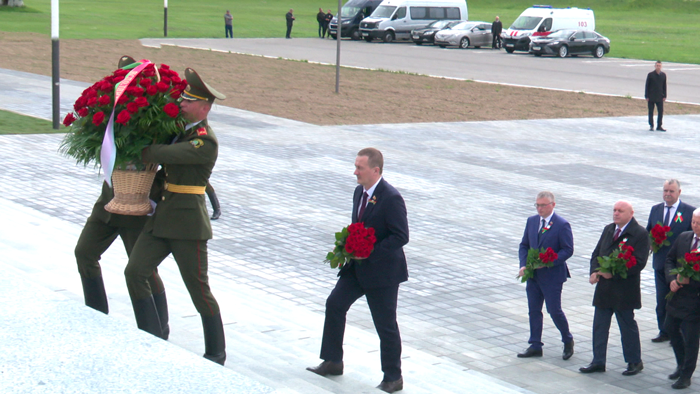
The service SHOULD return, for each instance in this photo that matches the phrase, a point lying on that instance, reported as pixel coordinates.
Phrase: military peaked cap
(125, 61)
(198, 89)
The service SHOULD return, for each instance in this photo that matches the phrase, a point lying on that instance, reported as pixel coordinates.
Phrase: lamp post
(55, 72)
(165, 18)
(338, 36)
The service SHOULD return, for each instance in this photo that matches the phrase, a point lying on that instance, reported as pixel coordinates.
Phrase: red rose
(123, 99)
(117, 79)
(92, 101)
(98, 118)
(696, 267)
(123, 117)
(165, 80)
(132, 107)
(80, 103)
(175, 93)
(83, 112)
(104, 100)
(164, 67)
(151, 90)
(176, 79)
(145, 82)
(69, 119)
(89, 92)
(631, 262)
(162, 86)
(171, 109)
(120, 72)
(135, 91)
(667, 229)
(141, 102)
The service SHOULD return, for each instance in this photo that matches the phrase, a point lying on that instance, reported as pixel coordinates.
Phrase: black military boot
(162, 307)
(147, 316)
(214, 340)
(95, 295)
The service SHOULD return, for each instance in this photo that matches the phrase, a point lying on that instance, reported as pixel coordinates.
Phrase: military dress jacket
(187, 162)
(618, 293)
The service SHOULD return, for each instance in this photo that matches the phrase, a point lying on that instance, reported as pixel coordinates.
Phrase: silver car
(465, 35)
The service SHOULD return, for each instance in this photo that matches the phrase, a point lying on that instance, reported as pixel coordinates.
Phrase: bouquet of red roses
(538, 258)
(690, 268)
(354, 242)
(659, 236)
(137, 103)
(619, 261)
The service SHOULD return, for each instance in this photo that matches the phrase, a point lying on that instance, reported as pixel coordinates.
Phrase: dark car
(570, 42)
(427, 34)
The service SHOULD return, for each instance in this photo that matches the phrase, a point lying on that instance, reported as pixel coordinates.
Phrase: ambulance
(540, 20)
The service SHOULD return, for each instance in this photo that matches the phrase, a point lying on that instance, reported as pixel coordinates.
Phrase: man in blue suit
(378, 205)
(547, 230)
(676, 214)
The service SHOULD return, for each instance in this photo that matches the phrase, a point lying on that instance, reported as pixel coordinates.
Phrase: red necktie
(362, 206)
(617, 234)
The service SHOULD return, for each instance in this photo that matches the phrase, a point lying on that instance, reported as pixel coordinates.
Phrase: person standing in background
(496, 29)
(655, 93)
(228, 20)
(321, 19)
(327, 24)
(290, 22)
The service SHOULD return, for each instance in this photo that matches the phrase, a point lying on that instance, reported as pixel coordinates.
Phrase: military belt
(185, 189)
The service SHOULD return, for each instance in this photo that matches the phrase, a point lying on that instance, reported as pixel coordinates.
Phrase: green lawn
(644, 29)
(12, 123)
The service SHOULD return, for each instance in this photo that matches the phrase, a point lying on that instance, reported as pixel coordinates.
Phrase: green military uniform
(180, 225)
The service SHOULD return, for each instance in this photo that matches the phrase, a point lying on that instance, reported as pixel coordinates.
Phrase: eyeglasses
(542, 205)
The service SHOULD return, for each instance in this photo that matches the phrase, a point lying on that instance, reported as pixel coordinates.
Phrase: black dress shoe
(568, 350)
(327, 368)
(660, 338)
(633, 368)
(651, 128)
(391, 387)
(681, 383)
(530, 352)
(660, 129)
(676, 374)
(591, 368)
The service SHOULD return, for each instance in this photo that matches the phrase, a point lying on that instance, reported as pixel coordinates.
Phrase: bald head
(622, 213)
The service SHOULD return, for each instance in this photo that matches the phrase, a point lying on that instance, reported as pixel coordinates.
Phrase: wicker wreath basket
(131, 192)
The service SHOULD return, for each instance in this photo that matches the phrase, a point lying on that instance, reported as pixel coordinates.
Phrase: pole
(55, 72)
(338, 36)
(165, 18)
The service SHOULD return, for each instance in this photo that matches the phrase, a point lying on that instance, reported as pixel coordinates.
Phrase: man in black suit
(675, 214)
(655, 93)
(614, 295)
(378, 205)
(496, 29)
(290, 21)
(683, 310)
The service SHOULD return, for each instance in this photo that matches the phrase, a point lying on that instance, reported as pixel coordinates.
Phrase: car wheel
(477, 46)
(538, 54)
(388, 37)
(368, 39)
(510, 50)
(442, 46)
(563, 51)
(464, 43)
(599, 51)
(419, 43)
(355, 35)
(335, 37)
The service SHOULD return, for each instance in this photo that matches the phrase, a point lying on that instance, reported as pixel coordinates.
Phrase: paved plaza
(286, 187)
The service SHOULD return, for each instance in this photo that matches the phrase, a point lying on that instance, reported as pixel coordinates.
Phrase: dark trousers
(229, 31)
(551, 295)
(321, 29)
(685, 339)
(660, 117)
(289, 30)
(497, 43)
(662, 289)
(96, 238)
(629, 333)
(326, 30)
(382, 304)
(191, 259)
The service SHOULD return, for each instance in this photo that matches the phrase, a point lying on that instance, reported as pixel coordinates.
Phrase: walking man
(290, 21)
(547, 230)
(496, 29)
(180, 225)
(614, 295)
(378, 205)
(228, 21)
(655, 93)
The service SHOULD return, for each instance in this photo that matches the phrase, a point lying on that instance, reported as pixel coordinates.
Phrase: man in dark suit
(378, 205)
(180, 225)
(290, 21)
(547, 230)
(496, 29)
(655, 93)
(683, 310)
(614, 295)
(675, 214)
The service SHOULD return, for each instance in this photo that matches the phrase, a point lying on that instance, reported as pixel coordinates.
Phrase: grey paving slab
(286, 186)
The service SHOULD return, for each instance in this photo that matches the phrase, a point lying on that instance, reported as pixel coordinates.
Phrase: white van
(394, 19)
(540, 20)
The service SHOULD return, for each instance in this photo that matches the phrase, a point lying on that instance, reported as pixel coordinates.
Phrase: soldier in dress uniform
(180, 225)
(100, 231)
